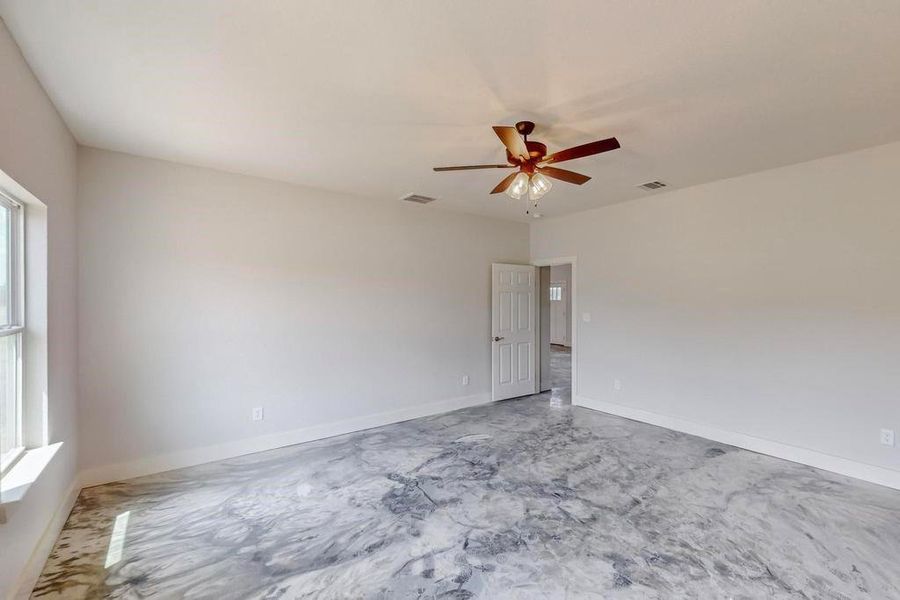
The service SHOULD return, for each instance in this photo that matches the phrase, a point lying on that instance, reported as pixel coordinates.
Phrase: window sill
(9, 459)
(25, 472)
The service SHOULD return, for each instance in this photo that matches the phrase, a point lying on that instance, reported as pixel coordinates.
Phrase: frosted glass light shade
(538, 186)
(518, 187)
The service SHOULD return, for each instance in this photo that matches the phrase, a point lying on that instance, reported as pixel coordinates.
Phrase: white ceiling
(366, 96)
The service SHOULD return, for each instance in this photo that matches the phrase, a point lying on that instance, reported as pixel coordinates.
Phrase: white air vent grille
(418, 199)
(652, 185)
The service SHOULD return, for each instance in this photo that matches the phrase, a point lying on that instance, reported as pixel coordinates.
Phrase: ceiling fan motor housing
(536, 151)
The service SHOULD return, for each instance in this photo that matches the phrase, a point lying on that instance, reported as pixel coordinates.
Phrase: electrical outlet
(617, 385)
(465, 380)
(586, 317)
(887, 437)
(258, 414)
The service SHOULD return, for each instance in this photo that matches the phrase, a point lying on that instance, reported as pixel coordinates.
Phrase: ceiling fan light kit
(518, 187)
(538, 186)
(532, 162)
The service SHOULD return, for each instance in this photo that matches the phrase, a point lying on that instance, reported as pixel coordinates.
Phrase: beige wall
(37, 151)
(767, 304)
(204, 294)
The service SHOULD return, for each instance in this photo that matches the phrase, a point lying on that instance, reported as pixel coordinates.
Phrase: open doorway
(556, 331)
(533, 330)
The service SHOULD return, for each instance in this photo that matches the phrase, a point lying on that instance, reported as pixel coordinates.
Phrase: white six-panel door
(514, 331)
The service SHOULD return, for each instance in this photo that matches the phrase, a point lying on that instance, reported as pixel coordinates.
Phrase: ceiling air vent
(418, 199)
(652, 185)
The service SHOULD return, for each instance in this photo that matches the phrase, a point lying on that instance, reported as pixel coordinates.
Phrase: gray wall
(37, 151)
(544, 342)
(767, 304)
(205, 294)
(563, 273)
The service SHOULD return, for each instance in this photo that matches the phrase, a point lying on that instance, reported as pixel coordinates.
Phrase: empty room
(411, 299)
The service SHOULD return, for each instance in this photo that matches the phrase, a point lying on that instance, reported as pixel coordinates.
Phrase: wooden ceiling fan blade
(470, 167)
(501, 187)
(513, 141)
(563, 175)
(582, 151)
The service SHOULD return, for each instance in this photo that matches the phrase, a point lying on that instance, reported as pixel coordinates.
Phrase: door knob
(497, 338)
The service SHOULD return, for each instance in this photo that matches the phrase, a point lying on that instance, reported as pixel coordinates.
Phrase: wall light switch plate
(258, 414)
(465, 380)
(617, 384)
(586, 317)
(887, 437)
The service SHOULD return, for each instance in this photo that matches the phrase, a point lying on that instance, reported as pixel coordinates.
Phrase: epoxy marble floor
(561, 374)
(509, 500)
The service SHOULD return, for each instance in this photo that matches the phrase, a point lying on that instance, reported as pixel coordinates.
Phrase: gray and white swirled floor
(560, 374)
(509, 500)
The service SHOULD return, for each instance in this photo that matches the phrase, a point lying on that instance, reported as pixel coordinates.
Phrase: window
(11, 328)
(555, 292)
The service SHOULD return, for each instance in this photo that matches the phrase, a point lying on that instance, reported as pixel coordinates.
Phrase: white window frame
(17, 318)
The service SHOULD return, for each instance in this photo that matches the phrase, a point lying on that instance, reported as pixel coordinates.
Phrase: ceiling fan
(532, 162)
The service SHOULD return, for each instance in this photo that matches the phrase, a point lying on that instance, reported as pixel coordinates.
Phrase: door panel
(525, 313)
(524, 361)
(513, 319)
(506, 312)
(506, 369)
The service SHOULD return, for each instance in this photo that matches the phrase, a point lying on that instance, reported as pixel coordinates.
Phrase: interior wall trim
(197, 456)
(812, 458)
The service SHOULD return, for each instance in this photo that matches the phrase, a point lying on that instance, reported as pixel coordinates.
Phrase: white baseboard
(871, 473)
(32, 570)
(197, 456)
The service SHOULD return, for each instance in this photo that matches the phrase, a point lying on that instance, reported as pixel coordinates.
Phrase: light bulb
(518, 187)
(538, 186)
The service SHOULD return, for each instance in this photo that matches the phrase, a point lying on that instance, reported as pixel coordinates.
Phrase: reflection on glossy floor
(561, 374)
(509, 500)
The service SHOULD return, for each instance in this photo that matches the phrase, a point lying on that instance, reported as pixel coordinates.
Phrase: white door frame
(555, 262)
